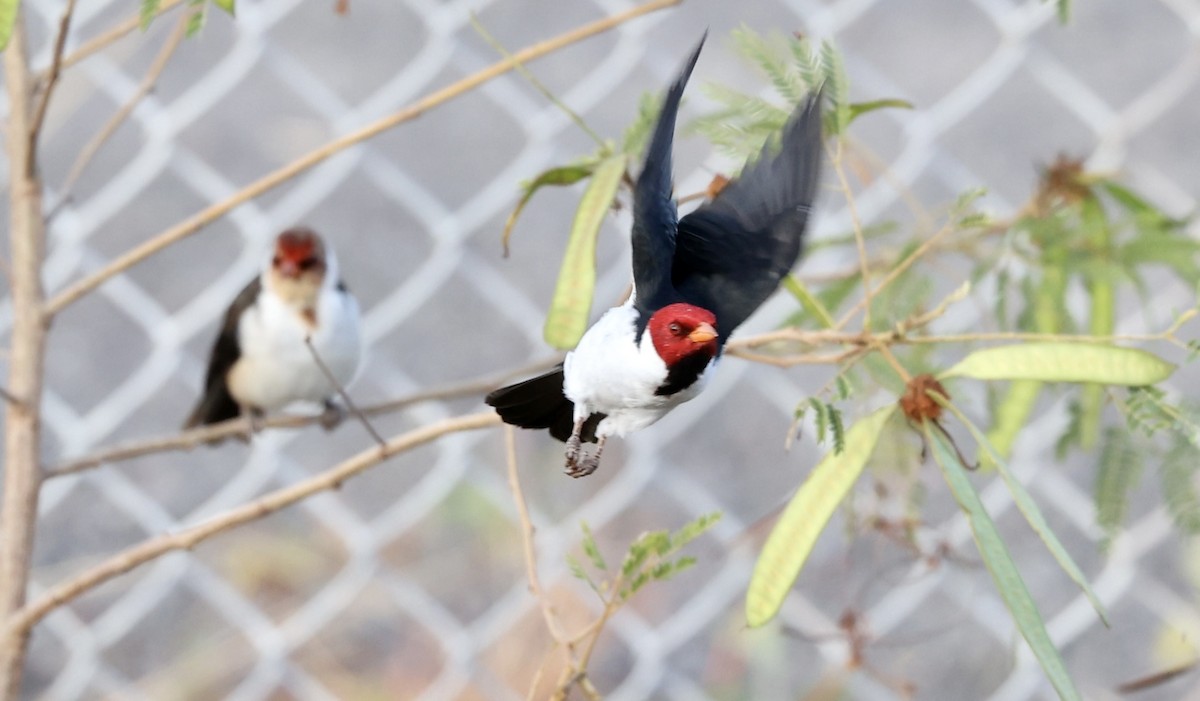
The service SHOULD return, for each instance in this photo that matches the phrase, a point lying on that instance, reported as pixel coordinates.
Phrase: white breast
(609, 373)
(276, 367)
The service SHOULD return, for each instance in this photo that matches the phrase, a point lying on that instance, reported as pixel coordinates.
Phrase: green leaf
(1064, 10)
(1064, 362)
(578, 572)
(690, 531)
(811, 304)
(148, 12)
(198, 15)
(562, 175)
(1011, 415)
(858, 109)
(1146, 213)
(1029, 508)
(572, 302)
(838, 89)
(836, 429)
(1103, 313)
(227, 5)
(8, 20)
(590, 548)
(783, 76)
(633, 141)
(793, 538)
(1000, 564)
(1178, 486)
(1119, 472)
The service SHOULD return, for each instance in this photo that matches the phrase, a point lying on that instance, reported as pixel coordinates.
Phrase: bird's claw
(333, 415)
(579, 464)
(582, 467)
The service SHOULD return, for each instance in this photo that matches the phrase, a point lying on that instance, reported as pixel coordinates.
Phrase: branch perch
(241, 427)
(23, 620)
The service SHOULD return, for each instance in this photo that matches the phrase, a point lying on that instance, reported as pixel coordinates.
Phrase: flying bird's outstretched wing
(732, 253)
(654, 214)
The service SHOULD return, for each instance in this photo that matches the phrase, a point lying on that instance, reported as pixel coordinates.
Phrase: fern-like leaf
(1120, 469)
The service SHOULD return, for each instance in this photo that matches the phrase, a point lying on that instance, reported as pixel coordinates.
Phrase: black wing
(731, 253)
(654, 215)
(218, 404)
(539, 402)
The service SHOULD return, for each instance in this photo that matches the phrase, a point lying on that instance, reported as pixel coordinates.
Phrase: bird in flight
(695, 280)
(261, 360)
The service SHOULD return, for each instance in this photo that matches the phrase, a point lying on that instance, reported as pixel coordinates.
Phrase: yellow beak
(702, 333)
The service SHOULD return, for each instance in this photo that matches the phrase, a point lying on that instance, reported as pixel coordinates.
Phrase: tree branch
(22, 426)
(51, 79)
(197, 221)
(241, 427)
(23, 620)
(118, 32)
(110, 127)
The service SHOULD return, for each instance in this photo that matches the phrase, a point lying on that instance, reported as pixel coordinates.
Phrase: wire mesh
(408, 582)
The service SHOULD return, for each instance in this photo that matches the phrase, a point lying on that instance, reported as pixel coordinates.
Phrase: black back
(218, 404)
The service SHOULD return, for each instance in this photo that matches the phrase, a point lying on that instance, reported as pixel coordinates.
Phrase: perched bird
(695, 279)
(260, 361)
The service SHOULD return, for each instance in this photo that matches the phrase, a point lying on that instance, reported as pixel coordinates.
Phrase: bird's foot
(579, 465)
(333, 415)
(258, 419)
(584, 467)
(574, 450)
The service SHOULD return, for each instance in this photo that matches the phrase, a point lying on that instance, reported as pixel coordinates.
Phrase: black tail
(215, 406)
(540, 403)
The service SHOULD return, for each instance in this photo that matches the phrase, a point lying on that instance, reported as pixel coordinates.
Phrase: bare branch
(350, 405)
(22, 425)
(118, 32)
(144, 88)
(24, 619)
(241, 427)
(51, 78)
(531, 573)
(197, 221)
(860, 243)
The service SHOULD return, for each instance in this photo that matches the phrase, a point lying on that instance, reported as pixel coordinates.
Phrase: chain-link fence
(409, 582)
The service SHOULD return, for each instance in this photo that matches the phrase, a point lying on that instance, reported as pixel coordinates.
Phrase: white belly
(276, 366)
(608, 373)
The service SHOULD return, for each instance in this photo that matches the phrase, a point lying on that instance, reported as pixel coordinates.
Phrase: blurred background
(408, 582)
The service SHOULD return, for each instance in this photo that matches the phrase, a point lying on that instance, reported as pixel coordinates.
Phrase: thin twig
(527, 531)
(895, 272)
(195, 222)
(144, 88)
(188, 538)
(787, 361)
(9, 397)
(241, 427)
(51, 78)
(859, 241)
(342, 392)
(533, 80)
(893, 361)
(119, 31)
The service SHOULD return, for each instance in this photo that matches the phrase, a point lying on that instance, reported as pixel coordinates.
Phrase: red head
(682, 330)
(299, 252)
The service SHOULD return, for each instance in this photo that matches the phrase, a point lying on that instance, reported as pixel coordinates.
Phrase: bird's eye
(675, 328)
(276, 261)
(309, 263)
